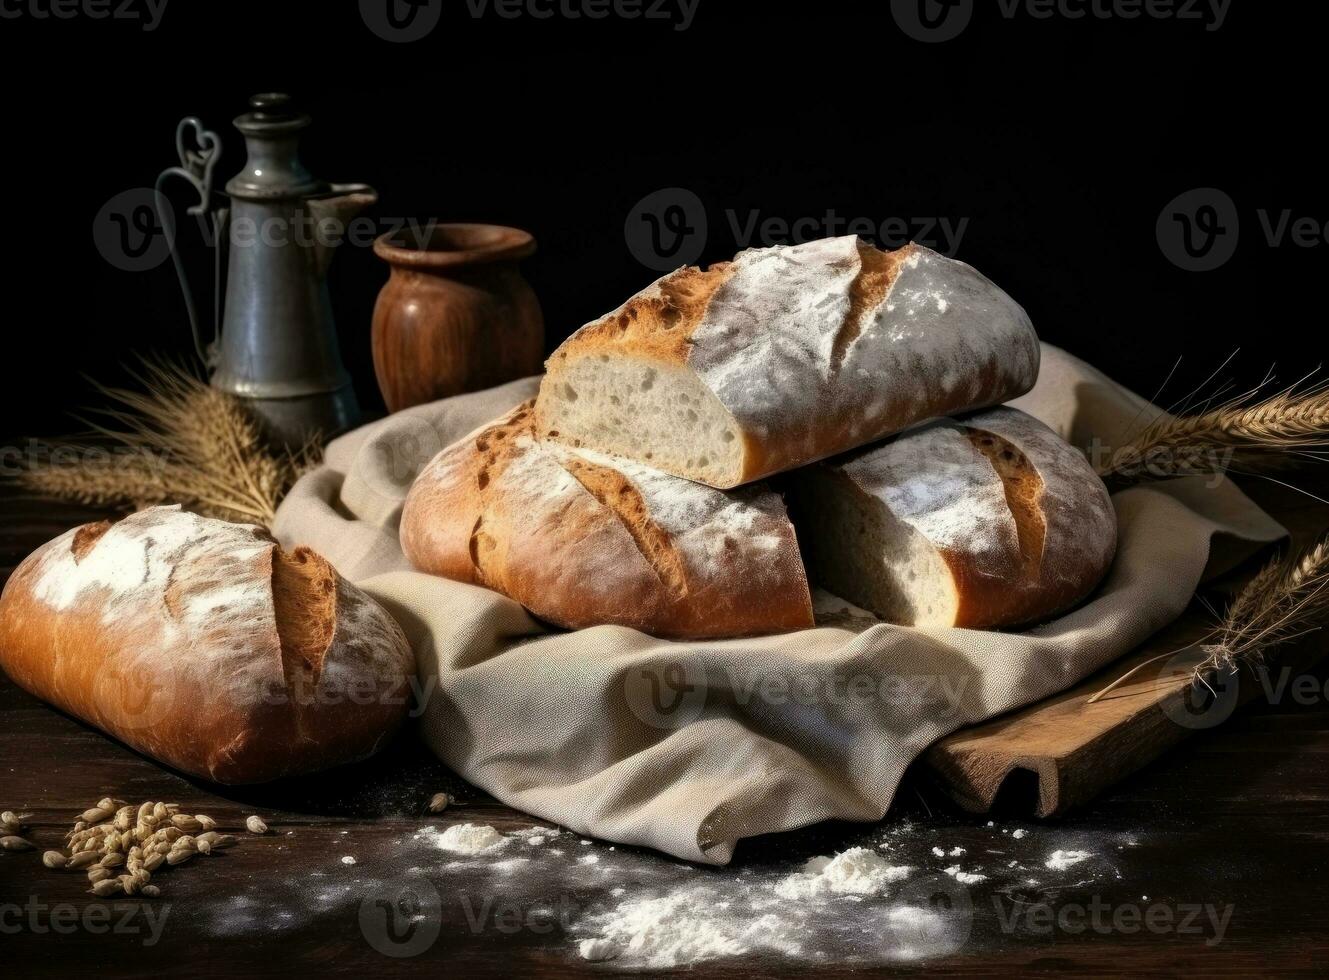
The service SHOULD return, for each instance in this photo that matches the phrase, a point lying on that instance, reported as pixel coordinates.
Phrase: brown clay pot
(455, 315)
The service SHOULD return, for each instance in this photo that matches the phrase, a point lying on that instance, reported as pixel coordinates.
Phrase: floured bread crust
(584, 539)
(985, 521)
(204, 645)
(791, 354)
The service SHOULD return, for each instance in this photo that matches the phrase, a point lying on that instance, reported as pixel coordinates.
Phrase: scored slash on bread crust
(583, 539)
(784, 356)
(990, 521)
(304, 598)
(203, 644)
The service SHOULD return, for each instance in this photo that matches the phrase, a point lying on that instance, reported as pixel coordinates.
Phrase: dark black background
(1060, 141)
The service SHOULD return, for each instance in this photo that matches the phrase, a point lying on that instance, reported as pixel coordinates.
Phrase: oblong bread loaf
(784, 356)
(583, 539)
(983, 522)
(204, 645)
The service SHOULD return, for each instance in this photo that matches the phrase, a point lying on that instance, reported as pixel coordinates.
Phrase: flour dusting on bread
(137, 561)
(935, 480)
(787, 355)
(203, 644)
(986, 521)
(581, 538)
(705, 524)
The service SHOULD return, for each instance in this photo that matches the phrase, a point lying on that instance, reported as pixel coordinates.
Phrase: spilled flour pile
(857, 871)
(467, 838)
(702, 922)
(681, 928)
(1061, 860)
(865, 903)
(965, 877)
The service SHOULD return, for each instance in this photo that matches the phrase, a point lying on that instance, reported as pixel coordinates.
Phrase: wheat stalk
(1242, 434)
(1286, 600)
(179, 441)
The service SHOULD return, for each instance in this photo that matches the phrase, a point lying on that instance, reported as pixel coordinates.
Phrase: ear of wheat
(1286, 600)
(177, 441)
(1241, 435)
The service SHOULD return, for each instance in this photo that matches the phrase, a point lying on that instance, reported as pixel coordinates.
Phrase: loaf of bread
(984, 522)
(784, 356)
(206, 646)
(582, 539)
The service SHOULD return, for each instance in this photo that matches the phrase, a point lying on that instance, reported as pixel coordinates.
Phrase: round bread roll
(584, 539)
(204, 645)
(984, 522)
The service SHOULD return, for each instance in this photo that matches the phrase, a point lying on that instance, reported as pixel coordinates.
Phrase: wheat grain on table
(1211, 859)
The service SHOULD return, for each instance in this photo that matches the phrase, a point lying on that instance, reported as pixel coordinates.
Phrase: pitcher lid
(271, 115)
(273, 170)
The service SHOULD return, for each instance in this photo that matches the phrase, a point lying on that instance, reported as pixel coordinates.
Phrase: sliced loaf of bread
(583, 539)
(784, 356)
(985, 522)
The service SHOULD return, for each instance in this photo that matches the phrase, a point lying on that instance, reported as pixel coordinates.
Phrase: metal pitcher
(276, 345)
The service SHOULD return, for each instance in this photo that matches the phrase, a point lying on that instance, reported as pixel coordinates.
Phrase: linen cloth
(690, 747)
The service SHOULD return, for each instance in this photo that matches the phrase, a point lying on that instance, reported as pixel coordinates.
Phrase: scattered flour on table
(682, 928)
(857, 900)
(597, 949)
(791, 916)
(965, 877)
(1061, 860)
(696, 923)
(857, 871)
(535, 836)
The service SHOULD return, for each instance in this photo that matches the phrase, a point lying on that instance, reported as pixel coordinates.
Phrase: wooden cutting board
(1064, 751)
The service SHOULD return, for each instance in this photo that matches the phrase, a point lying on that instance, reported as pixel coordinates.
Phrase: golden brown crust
(1023, 524)
(582, 542)
(989, 596)
(304, 596)
(657, 323)
(87, 536)
(816, 349)
(867, 292)
(617, 495)
(1051, 572)
(226, 702)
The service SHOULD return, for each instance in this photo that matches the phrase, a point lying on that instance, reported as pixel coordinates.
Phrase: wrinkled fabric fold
(690, 747)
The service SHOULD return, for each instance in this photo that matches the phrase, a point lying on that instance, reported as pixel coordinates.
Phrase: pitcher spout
(332, 216)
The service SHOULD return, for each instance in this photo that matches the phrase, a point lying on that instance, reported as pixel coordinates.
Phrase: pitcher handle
(196, 165)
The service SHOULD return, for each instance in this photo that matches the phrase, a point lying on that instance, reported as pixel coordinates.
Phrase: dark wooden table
(1229, 828)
